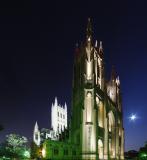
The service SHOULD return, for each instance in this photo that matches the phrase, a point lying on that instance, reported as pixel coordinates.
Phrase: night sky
(37, 43)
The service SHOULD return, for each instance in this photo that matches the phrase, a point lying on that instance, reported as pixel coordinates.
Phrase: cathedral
(95, 131)
(58, 124)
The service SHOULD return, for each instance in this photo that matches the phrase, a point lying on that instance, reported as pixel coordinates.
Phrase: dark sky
(37, 43)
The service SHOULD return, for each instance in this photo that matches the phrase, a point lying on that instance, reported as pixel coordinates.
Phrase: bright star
(133, 117)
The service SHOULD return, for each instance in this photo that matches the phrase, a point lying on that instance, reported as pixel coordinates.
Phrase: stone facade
(58, 124)
(96, 128)
(58, 117)
(97, 124)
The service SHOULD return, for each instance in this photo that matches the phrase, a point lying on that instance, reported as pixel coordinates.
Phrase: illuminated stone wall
(58, 124)
(96, 123)
(36, 135)
(96, 127)
(58, 117)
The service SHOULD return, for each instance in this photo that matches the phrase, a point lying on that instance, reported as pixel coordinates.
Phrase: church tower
(96, 123)
(58, 117)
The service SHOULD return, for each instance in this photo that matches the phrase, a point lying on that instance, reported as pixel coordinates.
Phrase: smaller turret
(100, 66)
(36, 135)
(96, 44)
(118, 93)
(65, 106)
(118, 81)
(112, 86)
(56, 101)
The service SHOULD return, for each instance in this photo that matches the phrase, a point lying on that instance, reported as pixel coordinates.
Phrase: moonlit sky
(37, 43)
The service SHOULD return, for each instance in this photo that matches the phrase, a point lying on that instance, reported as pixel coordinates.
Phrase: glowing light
(97, 100)
(89, 95)
(100, 148)
(27, 154)
(143, 155)
(58, 122)
(89, 69)
(43, 153)
(133, 117)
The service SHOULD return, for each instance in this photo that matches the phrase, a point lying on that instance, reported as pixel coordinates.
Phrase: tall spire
(89, 30)
(36, 126)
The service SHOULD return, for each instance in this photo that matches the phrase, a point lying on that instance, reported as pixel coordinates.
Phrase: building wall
(58, 124)
(58, 117)
(58, 150)
(97, 104)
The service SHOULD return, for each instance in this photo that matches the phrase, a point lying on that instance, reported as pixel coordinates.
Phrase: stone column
(117, 142)
(122, 145)
(106, 138)
(113, 141)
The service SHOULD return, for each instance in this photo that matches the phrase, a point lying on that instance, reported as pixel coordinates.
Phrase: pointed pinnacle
(101, 45)
(96, 44)
(89, 28)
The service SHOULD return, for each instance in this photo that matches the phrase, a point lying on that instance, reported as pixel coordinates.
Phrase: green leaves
(16, 141)
(15, 146)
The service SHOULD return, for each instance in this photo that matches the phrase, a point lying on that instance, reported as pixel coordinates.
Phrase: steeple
(89, 31)
(36, 134)
(36, 128)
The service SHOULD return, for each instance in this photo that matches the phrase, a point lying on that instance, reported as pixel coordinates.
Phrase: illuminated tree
(15, 146)
(143, 152)
(16, 141)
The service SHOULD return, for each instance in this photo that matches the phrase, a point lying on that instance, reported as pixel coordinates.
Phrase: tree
(34, 150)
(16, 141)
(16, 146)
